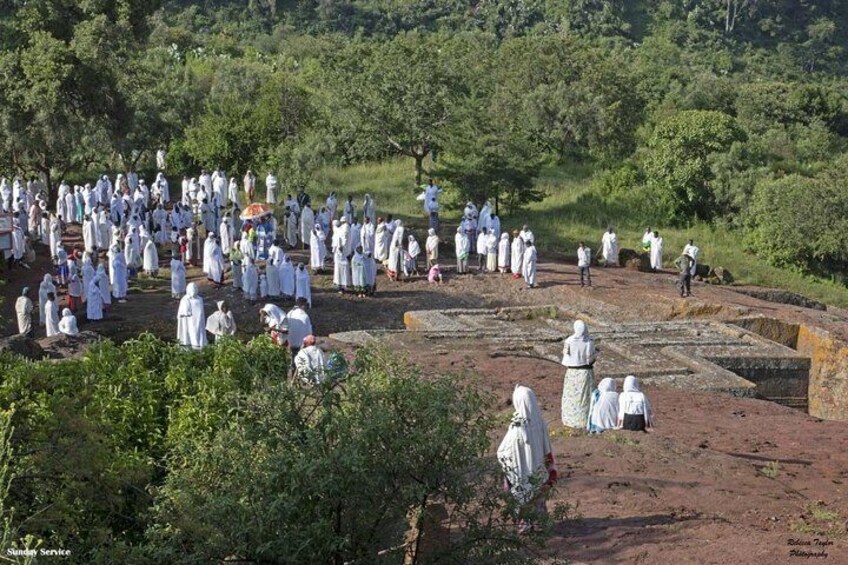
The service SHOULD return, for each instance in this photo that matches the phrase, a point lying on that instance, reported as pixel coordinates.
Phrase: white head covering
(631, 384)
(274, 316)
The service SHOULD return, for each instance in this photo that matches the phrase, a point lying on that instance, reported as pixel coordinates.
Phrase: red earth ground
(720, 480)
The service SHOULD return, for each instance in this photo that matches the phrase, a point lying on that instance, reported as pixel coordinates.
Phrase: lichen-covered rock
(719, 275)
(23, 346)
(67, 347)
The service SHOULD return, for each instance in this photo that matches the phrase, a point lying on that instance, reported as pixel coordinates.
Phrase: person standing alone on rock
(578, 356)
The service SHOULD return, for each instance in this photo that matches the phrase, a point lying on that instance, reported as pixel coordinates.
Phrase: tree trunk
(49, 185)
(419, 168)
(497, 202)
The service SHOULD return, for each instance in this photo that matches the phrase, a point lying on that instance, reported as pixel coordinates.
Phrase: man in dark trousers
(684, 265)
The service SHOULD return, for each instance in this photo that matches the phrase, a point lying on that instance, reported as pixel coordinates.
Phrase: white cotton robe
(656, 253)
(302, 284)
(178, 277)
(151, 258)
(528, 269)
(526, 447)
(191, 319)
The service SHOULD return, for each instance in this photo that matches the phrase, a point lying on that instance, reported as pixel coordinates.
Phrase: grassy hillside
(571, 213)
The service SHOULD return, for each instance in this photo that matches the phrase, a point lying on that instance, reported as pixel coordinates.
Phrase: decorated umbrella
(256, 210)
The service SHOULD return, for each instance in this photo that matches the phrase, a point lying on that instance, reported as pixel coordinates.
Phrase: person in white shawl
(105, 286)
(357, 270)
(503, 253)
(369, 209)
(286, 277)
(178, 277)
(657, 252)
(23, 310)
(431, 247)
(225, 230)
(381, 241)
(578, 356)
(221, 322)
(250, 280)
(309, 362)
(94, 299)
(491, 251)
(51, 315)
(634, 410)
(317, 248)
(274, 318)
(609, 248)
(332, 203)
(302, 282)
(307, 222)
(414, 250)
(68, 323)
(89, 234)
(151, 259)
(44, 289)
(603, 408)
(213, 260)
(271, 188)
(526, 456)
(461, 242)
(528, 264)
(118, 274)
(191, 319)
(299, 326)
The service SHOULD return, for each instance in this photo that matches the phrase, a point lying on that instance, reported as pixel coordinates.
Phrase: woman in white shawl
(105, 286)
(44, 288)
(68, 323)
(414, 250)
(603, 409)
(578, 356)
(191, 319)
(526, 456)
(118, 274)
(332, 204)
(151, 259)
(431, 247)
(272, 272)
(528, 264)
(88, 272)
(221, 323)
(94, 300)
(634, 410)
(503, 252)
(461, 242)
(286, 275)
(213, 258)
(317, 248)
(369, 208)
(51, 315)
(381, 241)
(301, 283)
(232, 191)
(357, 268)
(274, 318)
(656, 252)
(250, 280)
(178, 277)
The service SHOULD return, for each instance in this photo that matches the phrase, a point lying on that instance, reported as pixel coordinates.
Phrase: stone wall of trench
(828, 391)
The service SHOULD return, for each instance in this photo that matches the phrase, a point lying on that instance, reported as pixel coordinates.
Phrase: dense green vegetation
(703, 110)
(150, 453)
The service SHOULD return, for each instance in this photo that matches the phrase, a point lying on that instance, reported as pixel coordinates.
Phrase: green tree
(403, 91)
(677, 163)
(60, 85)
